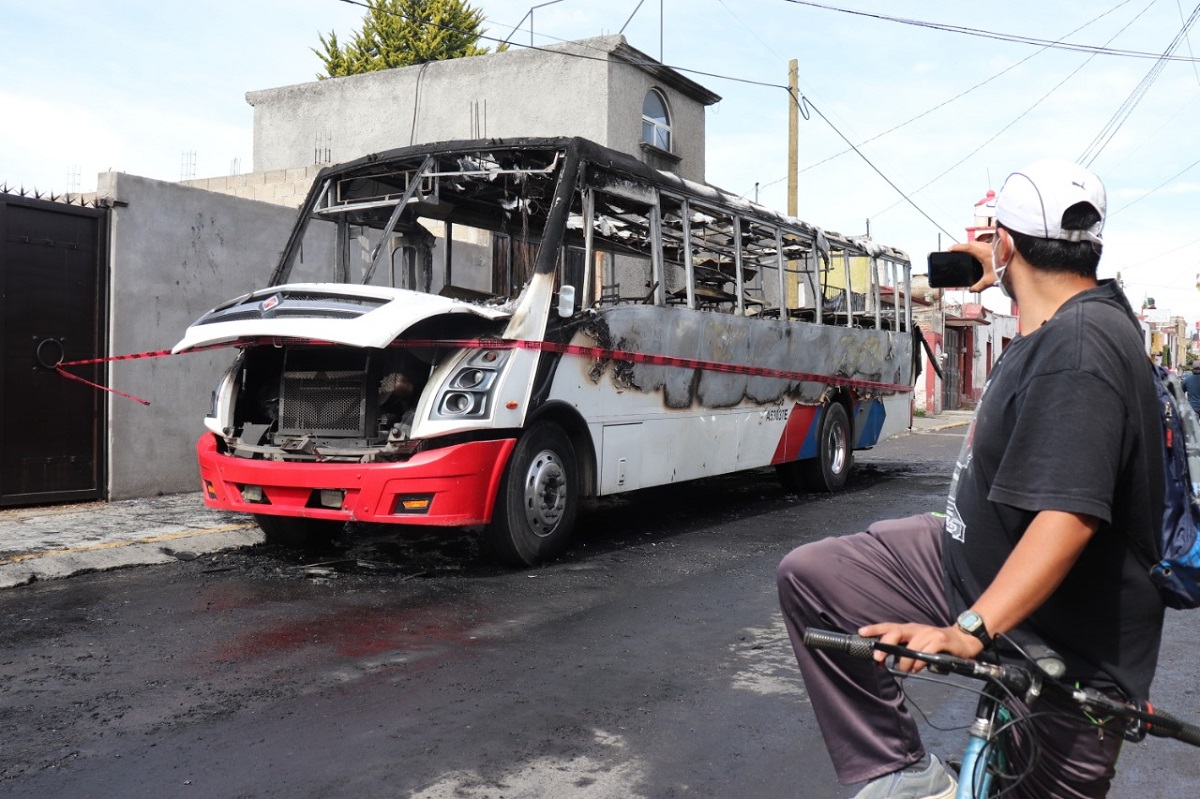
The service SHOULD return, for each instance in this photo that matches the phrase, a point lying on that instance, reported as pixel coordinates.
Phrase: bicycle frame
(983, 757)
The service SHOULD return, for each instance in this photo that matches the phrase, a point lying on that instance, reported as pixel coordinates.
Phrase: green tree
(400, 33)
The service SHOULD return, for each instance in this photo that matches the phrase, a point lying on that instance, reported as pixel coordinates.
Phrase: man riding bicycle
(1060, 471)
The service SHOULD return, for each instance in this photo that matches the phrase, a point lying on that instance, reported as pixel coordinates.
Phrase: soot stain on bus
(407, 363)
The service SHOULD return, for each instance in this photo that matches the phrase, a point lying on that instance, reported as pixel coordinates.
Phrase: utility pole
(791, 286)
(793, 134)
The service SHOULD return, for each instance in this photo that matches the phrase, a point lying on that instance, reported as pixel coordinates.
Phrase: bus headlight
(468, 392)
(457, 403)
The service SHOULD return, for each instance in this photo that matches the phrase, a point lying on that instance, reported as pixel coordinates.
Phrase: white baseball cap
(1034, 199)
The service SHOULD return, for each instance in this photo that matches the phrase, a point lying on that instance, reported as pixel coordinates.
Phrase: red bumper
(461, 482)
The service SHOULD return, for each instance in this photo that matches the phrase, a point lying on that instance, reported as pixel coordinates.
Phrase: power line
(1179, 110)
(1178, 174)
(878, 171)
(1005, 37)
(802, 101)
(1195, 70)
(1114, 124)
(962, 94)
(684, 70)
(1016, 119)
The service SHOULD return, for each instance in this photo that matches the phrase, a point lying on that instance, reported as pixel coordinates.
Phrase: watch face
(970, 621)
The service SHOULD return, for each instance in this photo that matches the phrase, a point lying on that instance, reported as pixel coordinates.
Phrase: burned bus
(484, 333)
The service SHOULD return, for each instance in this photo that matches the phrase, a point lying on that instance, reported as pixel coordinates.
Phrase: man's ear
(1005, 249)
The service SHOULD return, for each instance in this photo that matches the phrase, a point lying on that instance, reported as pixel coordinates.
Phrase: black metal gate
(53, 266)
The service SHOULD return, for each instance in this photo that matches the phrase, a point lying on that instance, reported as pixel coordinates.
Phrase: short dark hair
(1057, 255)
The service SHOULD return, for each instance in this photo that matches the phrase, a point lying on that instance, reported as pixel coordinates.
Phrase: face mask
(999, 268)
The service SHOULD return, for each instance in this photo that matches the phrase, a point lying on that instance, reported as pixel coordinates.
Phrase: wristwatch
(971, 623)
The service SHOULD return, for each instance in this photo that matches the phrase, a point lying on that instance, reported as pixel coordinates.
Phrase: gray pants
(893, 572)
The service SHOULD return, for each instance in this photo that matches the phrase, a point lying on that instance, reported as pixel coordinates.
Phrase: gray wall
(175, 252)
(500, 95)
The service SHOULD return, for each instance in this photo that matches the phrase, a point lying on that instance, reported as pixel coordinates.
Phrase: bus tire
(538, 499)
(829, 471)
(297, 532)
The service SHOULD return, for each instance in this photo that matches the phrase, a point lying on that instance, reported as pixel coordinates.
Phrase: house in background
(601, 89)
(965, 336)
(131, 270)
(1167, 339)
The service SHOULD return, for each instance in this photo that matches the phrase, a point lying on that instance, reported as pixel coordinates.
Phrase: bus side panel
(621, 458)
(897, 417)
(691, 420)
(867, 422)
(681, 448)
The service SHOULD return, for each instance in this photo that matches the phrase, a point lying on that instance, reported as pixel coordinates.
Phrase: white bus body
(483, 333)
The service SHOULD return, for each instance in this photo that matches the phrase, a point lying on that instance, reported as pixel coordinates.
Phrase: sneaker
(932, 782)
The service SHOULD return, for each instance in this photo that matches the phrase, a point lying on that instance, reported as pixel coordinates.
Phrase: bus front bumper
(454, 486)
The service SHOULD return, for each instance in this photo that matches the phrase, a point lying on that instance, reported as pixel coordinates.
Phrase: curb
(946, 426)
(53, 564)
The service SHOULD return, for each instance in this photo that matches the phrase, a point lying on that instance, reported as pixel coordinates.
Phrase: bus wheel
(829, 471)
(291, 531)
(539, 495)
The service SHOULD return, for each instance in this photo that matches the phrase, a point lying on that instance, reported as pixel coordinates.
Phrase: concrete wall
(628, 87)
(1002, 327)
(280, 186)
(513, 94)
(175, 252)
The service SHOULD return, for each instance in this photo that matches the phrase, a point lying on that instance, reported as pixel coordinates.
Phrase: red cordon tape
(540, 346)
(70, 376)
(131, 357)
(655, 360)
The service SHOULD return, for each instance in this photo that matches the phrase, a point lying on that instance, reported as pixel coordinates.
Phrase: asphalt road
(648, 662)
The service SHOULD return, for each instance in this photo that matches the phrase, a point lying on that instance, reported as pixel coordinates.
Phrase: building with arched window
(601, 89)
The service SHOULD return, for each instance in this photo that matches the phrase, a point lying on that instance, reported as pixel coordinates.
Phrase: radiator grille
(326, 393)
(323, 403)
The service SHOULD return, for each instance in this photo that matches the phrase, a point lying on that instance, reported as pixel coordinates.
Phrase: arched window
(656, 122)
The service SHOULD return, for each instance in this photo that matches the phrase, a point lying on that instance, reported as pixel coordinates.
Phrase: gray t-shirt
(1069, 421)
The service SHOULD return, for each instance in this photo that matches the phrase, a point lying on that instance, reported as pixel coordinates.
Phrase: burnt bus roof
(586, 151)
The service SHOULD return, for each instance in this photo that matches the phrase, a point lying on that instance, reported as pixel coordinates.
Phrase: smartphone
(953, 270)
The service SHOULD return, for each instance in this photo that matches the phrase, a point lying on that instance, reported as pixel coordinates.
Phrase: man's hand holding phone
(982, 252)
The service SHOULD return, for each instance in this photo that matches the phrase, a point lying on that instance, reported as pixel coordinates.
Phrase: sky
(938, 117)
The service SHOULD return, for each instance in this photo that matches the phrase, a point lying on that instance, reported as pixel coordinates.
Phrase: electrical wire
(1118, 119)
(970, 90)
(1005, 37)
(1195, 69)
(1017, 118)
(1178, 174)
(805, 103)
(964, 94)
(802, 102)
(1172, 251)
(906, 197)
(1132, 151)
(603, 57)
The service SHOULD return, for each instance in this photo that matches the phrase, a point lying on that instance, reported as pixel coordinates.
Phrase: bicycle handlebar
(1017, 679)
